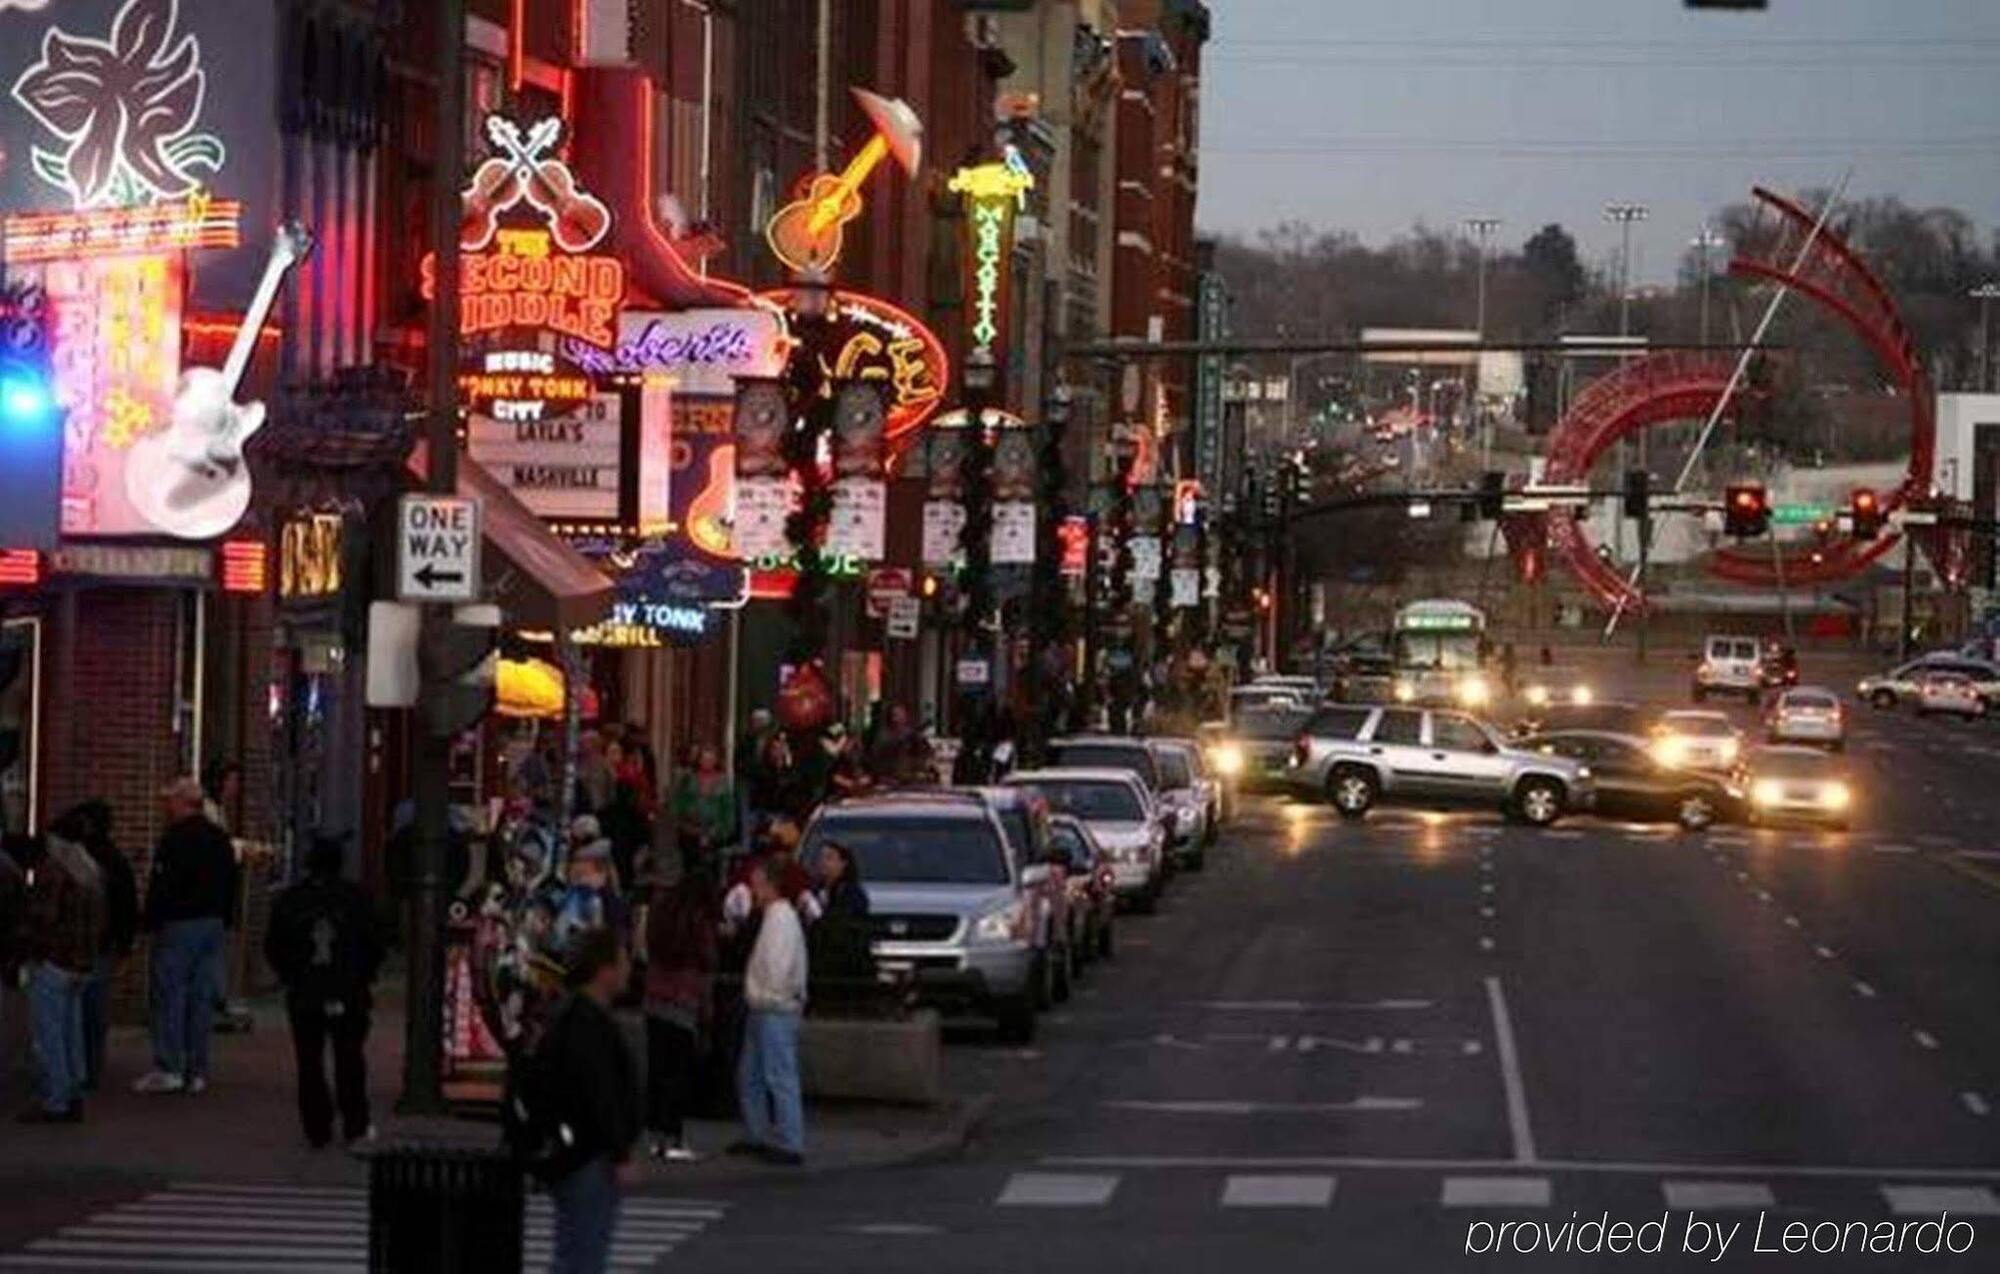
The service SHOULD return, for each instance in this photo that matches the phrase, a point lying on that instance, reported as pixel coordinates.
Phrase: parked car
(1024, 817)
(1253, 752)
(1799, 784)
(1632, 783)
(1357, 755)
(1191, 797)
(1249, 698)
(1093, 895)
(1730, 665)
(1121, 813)
(1808, 714)
(1942, 693)
(1696, 740)
(1899, 684)
(949, 906)
(1305, 687)
(1102, 751)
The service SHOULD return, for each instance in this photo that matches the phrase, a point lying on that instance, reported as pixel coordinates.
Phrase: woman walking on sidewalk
(683, 939)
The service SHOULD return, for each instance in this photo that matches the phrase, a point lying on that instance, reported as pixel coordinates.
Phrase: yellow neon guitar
(807, 234)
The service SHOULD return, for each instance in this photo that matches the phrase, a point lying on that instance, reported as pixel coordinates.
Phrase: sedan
(1799, 784)
(1950, 694)
(1696, 740)
(1807, 715)
(1093, 895)
(1634, 784)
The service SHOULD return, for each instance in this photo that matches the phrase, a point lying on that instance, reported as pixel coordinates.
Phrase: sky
(1372, 115)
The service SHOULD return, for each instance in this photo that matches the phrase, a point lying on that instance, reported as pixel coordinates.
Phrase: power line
(1746, 148)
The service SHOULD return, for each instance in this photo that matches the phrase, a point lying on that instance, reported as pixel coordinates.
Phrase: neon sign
(704, 350)
(524, 284)
(993, 194)
(195, 222)
(874, 340)
(125, 107)
(520, 385)
(523, 171)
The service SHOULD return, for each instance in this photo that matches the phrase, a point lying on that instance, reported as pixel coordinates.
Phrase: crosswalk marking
(1495, 1192)
(1057, 1190)
(1277, 1192)
(1931, 1200)
(303, 1230)
(1717, 1196)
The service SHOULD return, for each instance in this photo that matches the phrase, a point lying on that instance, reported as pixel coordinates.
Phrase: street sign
(885, 584)
(904, 614)
(1801, 514)
(974, 672)
(437, 549)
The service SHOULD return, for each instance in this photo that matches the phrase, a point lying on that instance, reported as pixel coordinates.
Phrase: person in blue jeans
(588, 1064)
(774, 991)
(65, 924)
(190, 904)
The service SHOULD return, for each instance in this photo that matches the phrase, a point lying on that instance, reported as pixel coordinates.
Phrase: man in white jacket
(774, 989)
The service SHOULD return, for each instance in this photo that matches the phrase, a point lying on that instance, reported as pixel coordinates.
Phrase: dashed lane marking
(1277, 1192)
(1976, 1104)
(1495, 1192)
(1904, 1200)
(1057, 1190)
(1925, 1039)
(1714, 1196)
(1863, 989)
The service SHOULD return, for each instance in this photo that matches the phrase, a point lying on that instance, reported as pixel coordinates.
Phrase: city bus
(1439, 648)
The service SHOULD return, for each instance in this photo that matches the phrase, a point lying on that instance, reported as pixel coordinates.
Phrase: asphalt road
(1368, 1047)
(1365, 1047)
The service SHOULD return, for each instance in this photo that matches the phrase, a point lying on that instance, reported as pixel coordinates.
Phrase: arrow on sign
(430, 576)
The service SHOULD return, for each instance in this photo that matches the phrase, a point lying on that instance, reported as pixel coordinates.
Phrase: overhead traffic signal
(1865, 509)
(1638, 494)
(1746, 510)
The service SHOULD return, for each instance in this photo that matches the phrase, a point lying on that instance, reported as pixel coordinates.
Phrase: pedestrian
(848, 778)
(222, 792)
(774, 992)
(744, 765)
(683, 940)
(595, 899)
(840, 890)
(839, 942)
(190, 905)
(900, 756)
(705, 809)
(587, 1072)
(63, 936)
(627, 817)
(325, 945)
(771, 778)
(121, 902)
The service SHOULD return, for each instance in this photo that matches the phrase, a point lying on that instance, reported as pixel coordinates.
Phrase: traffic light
(460, 655)
(31, 426)
(1492, 494)
(1746, 510)
(1638, 494)
(1865, 508)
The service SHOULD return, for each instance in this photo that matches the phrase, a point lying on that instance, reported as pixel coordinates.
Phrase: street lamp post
(1703, 244)
(1482, 229)
(1625, 214)
(1985, 294)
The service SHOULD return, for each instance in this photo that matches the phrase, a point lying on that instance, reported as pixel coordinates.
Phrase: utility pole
(430, 774)
(1986, 293)
(1482, 229)
(1625, 214)
(1703, 244)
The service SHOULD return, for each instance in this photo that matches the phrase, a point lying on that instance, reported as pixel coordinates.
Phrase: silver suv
(950, 905)
(1356, 755)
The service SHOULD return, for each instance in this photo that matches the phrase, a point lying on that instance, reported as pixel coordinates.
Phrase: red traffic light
(1746, 510)
(1865, 509)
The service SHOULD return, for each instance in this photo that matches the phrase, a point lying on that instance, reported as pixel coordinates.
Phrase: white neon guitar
(189, 479)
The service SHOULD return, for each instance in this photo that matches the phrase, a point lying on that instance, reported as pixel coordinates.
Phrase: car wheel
(1695, 811)
(1016, 1018)
(1883, 699)
(1539, 801)
(1352, 791)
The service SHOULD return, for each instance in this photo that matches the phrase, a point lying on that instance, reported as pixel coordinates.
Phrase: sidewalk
(246, 1128)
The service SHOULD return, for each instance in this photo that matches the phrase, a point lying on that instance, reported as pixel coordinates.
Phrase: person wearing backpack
(573, 1106)
(65, 924)
(325, 943)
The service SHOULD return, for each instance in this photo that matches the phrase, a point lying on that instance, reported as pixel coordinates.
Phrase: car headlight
(1583, 771)
(1729, 748)
(1767, 792)
(1538, 696)
(1474, 691)
(1670, 749)
(1227, 758)
(1405, 692)
(1003, 925)
(1836, 796)
(1581, 695)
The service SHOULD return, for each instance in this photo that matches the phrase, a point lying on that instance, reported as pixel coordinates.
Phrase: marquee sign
(566, 467)
(523, 384)
(874, 340)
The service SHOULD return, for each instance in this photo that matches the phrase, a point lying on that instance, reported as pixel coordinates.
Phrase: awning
(534, 688)
(540, 581)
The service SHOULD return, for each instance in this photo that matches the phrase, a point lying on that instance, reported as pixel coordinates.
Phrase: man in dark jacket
(64, 932)
(325, 945)
(121, 903)
(585, 1062)
(190, 903)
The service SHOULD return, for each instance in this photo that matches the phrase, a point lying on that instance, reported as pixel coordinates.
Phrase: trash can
(444, 1210)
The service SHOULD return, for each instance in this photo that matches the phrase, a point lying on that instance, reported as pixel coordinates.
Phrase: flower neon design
(126, 106)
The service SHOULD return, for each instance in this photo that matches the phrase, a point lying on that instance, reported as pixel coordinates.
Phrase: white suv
(1730, 665)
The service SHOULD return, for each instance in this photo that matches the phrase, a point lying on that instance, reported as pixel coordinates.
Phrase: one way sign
(437, 549)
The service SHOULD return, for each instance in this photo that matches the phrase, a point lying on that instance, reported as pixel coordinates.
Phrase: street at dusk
(790, 636)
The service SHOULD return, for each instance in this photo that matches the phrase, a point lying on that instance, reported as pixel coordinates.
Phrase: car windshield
(1813, 700)
(1947, 678)
(1093, 802)
(1269, 723)
(1700, 726)
(1794, 765)
(1174, 770)
(1020, 832)
(1136, 757)
(916, 851)
(1447, 652)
